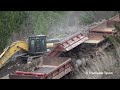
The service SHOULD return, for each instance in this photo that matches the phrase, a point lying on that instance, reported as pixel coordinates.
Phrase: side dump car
(51, 68)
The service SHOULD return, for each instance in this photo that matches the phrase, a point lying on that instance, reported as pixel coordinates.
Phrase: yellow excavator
(35, 44)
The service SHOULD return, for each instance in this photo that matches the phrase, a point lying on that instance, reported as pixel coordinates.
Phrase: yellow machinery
(11, 50)
(15, 47)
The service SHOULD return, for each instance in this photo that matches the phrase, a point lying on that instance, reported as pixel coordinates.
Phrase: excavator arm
(11, 50)
(14, 48)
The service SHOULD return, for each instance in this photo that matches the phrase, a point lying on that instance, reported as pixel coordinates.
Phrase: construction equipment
(68, 44)
(37, 44)
(11, 50)
(52, 66)
(34, 45)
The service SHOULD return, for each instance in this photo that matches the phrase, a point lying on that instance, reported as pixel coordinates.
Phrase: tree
(10, 22)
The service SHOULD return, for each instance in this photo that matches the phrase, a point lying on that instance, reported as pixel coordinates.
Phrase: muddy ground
(18, 65)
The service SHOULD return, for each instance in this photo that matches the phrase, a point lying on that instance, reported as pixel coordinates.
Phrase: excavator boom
(11, 50)
(14, 48)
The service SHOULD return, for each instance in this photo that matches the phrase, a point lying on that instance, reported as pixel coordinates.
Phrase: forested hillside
(19, 25)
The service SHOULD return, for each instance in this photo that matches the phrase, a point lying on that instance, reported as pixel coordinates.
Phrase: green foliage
(115, 40)
(40, 21)
(117, 26)
(88, 17)
(43, 20)
(10, 22)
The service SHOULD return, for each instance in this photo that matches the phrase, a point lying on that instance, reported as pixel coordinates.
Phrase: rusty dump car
(51, 68)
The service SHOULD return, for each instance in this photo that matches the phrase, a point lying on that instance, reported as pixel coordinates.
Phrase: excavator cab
(37, 44)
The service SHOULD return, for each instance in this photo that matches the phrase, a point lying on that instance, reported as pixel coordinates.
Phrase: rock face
(78, 63)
